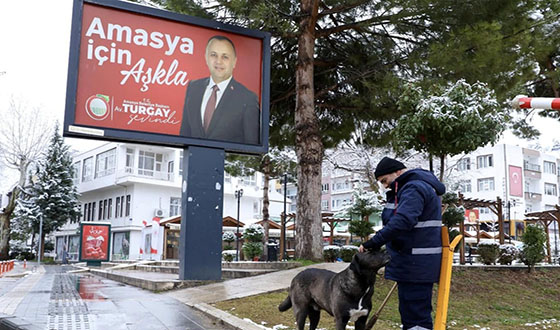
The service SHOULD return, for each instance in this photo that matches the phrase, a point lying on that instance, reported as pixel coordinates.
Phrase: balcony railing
(145, 173)
(531, 167)
(533, 196)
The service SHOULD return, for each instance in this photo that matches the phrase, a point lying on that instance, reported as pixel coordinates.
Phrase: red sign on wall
(95, 242)
(135, 67)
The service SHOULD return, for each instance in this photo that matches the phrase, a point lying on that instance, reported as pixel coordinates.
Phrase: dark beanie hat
(388, 165)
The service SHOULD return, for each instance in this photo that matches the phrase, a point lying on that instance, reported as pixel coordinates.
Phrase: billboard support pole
(200, 248)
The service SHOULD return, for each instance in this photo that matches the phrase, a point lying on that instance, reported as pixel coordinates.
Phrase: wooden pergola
(546, 218)
(471, 203)
(332, 222)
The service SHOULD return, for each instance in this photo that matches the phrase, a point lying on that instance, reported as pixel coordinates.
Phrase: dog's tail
(285, 305)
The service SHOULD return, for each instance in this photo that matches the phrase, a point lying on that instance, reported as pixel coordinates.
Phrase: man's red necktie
(210, 107)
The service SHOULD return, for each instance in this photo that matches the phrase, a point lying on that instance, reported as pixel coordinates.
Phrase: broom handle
(375, 316)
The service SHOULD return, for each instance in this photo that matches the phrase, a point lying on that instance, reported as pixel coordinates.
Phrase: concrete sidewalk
(201, 297)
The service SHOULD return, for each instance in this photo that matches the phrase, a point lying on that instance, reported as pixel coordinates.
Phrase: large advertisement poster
(94, 242)
(149, 75)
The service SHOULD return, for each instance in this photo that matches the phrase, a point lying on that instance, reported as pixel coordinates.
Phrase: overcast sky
(35, 36)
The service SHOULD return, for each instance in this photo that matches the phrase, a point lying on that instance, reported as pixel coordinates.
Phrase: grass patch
(493, 299)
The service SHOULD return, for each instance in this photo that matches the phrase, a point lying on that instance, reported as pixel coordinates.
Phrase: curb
(231, 321)
(10, 322)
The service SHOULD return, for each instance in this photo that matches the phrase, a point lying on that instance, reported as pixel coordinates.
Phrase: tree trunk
(309, 147)
(5, 224)
(441, 167)
(266, 203)
(431, 161)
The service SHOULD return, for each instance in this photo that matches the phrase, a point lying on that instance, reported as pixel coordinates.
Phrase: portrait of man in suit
(219, 107)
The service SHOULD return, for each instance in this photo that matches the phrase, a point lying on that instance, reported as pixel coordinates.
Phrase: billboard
(94, 241)
(139, 74)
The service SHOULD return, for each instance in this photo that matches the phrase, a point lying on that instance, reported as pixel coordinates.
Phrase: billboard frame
(71, 129)
(95, 261)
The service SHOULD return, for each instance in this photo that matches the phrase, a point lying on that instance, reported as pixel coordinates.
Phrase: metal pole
(238, 194)
(285, 214)
(40, 239)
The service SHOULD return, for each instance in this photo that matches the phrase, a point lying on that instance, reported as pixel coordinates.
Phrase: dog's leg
(301, 315)
(314, 316)
(341, 323)
(360, 323)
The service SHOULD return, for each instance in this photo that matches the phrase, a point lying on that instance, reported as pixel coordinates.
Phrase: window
(181, 162)
(250, 180)
(341, 186)
(549, 167)
(129, 160)
(227, 177)
(174, 206)
(464, 164)
(550, 189)
(324, 205)
(105, 163)
(170, 169)
(148, 162)
(122, 206)
(117, 207)
(87, 170)
(85, 208)
(325, 188)
(76, 174)
(93, 211)
(486, 184)
(256, 207)
(110, 208)
(100, 210)
(127, 206)
(484, 161)
(464, 186)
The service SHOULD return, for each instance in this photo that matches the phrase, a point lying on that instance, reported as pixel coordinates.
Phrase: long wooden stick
(375, 316)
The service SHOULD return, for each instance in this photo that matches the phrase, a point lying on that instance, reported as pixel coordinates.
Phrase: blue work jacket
(412, 228)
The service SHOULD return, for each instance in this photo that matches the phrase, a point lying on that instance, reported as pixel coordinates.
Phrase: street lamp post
(285, 216)
(40, 239)
(238, 194)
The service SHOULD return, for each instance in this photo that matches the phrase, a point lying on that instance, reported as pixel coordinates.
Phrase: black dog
(345, 295)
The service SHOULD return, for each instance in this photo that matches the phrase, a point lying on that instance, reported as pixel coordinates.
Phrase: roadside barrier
(6, 266)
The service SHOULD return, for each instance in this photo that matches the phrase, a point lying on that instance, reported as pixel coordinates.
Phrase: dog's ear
(355, 264)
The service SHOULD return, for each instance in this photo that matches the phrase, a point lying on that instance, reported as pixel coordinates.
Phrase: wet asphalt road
(82, 301)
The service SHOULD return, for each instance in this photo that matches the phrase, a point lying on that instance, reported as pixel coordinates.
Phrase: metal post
(200, 245)
(40, 239)
(238, 194)
(285, 214)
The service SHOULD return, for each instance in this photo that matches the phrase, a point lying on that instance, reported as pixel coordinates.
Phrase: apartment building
(127, 185)
(526, 180)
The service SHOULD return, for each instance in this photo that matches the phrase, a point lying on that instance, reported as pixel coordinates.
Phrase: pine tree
(52, 194)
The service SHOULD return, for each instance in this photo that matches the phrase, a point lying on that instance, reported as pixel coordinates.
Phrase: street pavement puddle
(89, 288)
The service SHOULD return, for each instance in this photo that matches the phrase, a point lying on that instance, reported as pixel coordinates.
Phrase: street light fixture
(238, 194)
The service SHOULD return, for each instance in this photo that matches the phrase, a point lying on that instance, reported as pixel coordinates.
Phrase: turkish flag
(515, 181)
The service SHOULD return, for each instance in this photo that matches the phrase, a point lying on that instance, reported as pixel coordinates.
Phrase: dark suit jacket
(236, 118)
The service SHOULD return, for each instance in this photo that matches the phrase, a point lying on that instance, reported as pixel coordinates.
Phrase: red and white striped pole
(525, 102)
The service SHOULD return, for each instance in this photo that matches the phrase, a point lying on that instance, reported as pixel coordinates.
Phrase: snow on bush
(228, 236)
(331, 253)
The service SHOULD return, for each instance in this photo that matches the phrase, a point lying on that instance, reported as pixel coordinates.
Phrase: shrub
(508, 253)
(254, 232)
(347, 252)
(331, 253)
(360, 228)
(488, 252)
(252, 250)
(534, 240)
(228, 255)
(228, 237)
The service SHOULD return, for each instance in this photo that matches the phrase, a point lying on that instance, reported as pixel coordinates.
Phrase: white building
(129, 184)
(525, 179)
